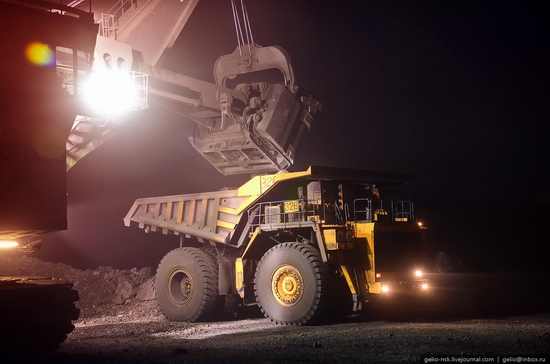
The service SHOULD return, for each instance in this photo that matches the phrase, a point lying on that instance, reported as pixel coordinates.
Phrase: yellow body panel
(375, 288)
(330, 239)
(348, 279)
(258, 185)
(365, 230)
(239, 276)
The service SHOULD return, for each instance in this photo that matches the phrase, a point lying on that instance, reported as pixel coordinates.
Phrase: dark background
(454, 92)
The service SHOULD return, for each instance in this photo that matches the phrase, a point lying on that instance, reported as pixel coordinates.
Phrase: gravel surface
(256, 340)
(120, 322)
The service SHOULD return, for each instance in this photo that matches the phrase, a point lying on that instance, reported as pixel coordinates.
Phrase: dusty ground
(256, 340)
(120, 322)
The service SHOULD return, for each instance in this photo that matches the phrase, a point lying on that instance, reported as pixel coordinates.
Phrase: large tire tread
(206, 282)
(320, 298)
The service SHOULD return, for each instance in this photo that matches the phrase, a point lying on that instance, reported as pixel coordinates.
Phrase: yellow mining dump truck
(294, 243)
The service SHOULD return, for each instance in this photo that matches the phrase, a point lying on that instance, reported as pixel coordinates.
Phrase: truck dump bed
(209, 216)
(218, 216)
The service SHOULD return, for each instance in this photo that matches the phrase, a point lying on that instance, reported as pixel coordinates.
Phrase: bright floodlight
(8, 244)
(418, 273)
(111, 92)
(385, 289)
(424, 286)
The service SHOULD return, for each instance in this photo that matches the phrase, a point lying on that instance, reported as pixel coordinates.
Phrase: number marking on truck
(266, 182)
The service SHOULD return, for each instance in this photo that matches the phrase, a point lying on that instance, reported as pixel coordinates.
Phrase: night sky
(454, 92)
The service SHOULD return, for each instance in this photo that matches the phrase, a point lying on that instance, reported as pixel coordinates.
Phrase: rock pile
(103, 291)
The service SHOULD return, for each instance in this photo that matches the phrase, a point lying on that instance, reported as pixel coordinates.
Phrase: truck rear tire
(187, 285)
(291, 284)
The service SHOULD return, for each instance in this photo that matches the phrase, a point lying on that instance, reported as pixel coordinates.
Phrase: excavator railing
(123, 12)
(107, 26)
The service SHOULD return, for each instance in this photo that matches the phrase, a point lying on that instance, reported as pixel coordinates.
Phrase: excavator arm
(250, 127)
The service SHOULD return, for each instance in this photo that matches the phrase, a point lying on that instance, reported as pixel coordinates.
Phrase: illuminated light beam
(111, 92)
(8, 244)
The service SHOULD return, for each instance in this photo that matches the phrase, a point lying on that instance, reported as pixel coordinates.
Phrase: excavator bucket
(260, 137)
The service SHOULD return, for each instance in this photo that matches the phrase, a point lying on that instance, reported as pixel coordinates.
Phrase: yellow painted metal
(239, 276)
(251, 241)
(239, 266)
(348, 279)
(225, 224)
(375, 288)
(227, 210)
(259, 185)
(179, 218)
(365, 230)
(287, 285)
(330, 239)
(292, 206)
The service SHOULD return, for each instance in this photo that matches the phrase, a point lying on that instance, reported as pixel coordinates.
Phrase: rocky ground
(103, 292)
(120, 322)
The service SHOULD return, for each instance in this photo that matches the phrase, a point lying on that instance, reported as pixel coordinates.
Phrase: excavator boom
(249, 127)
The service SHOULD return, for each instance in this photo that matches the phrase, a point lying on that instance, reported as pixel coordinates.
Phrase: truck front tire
(291, 284)
(187, 285)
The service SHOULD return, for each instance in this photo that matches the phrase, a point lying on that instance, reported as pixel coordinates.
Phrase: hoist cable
(238, 27)
(247, 28)
(238, 30)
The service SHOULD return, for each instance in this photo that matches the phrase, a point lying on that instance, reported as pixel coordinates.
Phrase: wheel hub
(287, 285)
(180, 287)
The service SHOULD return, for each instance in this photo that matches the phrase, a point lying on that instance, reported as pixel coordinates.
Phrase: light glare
(8, 244)
(111, 92)
(418, 273)
(385, 289)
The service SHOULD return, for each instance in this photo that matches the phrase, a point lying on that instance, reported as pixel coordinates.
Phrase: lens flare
(40, 54)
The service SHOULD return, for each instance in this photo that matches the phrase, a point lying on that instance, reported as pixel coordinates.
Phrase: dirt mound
(104, 291)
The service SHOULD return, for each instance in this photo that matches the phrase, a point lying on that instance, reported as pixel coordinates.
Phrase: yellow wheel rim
(287, 285)
(180, 287)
